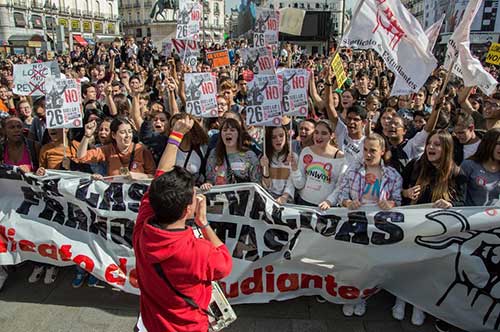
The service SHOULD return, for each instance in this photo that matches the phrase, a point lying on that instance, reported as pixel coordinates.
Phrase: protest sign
(188, 20)
(30, 79)
(442, 261)
(266, 29)
(291, 20)
(201, 97)
(493, 55)
(295, 83)
(390, 29)
(338, 69)
(188, 51)
(63, 104)
(218, 58)
(259, 60)
(263, 101)
(166, 48)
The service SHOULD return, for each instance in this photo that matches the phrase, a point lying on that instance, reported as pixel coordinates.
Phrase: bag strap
(186, 298)
(132, 156)
(188, 157)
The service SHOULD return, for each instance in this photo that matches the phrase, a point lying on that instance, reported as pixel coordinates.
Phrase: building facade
(138, 21)
(30, 26)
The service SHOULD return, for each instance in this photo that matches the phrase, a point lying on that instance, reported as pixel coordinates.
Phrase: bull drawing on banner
(387, 20)
(477, 264)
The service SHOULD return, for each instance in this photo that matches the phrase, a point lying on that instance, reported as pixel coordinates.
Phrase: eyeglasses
(491, 103)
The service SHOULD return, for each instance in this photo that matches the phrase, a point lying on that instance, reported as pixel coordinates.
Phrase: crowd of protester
(358, 146)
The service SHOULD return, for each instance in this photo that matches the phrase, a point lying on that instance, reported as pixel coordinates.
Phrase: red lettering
(298, 82)
(288, 282)
(331, 285)
(252, 284)
(305, 281)
(48, 250)
(71, 96)
(3, 240)
(369, 292)
(25, 245)
(265, 63)
(348, 292)
(269, 279)
(233, 289)
(207, 88)
(132, 278)
(114, 275)
(272, 92)
(84, 262)
(65, 252)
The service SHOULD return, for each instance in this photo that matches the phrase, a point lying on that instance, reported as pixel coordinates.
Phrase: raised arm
(330, 106)
(90, 129)
(135, 112)
(181, 127)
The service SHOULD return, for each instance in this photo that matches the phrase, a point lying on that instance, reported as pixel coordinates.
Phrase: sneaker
(93, 281)
(360, 309)
(417, 317)
(398, 311)
(442, 326)
(3, 277)
(348, 310)
(36, 274)
(78, 280)
(50, 275)
(320, 299)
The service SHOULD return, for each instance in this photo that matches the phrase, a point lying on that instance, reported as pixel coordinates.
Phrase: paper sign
(295, 83)
(188, 51)
(266, 30)
(63, 104)
(188, 20)
(166, 48)
(201, 97)
(263, 101)
(259, 60)
(30, 79)
(493, 55)
(338, 69)
(218, 58)
(291, 20)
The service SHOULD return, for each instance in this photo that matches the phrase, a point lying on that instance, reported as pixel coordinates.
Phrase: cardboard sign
(188, 20)
(266, 29)
(201, 89)
(63, 102)
(493, 55)
(263, 101)
(295, 83)
(338, 69)
(188, 51)
(219, 58)
(30, 79)
(259, 60)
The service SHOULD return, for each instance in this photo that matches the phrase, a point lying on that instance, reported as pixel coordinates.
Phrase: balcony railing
(65, 10)
(19, 3)
(88, 13)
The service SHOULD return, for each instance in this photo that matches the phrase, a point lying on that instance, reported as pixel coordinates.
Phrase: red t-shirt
(190, 265)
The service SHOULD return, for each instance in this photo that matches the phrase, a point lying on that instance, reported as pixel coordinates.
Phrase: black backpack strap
(177, 292)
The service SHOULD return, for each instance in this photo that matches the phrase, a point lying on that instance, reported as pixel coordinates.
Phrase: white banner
(266, 29)
(388, 27)
(443, 261)
(259, 60)
(295, 83)
(188, 51)
(264, 101)
(63, 104)
(201, 89)
(188, 20)
(432, 33)
(30, 79)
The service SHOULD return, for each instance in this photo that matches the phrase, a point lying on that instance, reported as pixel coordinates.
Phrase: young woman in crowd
(482, 171)
(231, 162)
(122, 156)
(17, 150)
(370, 183)
(319, 167)
(275, 165)
(25, 114)
(304, 139)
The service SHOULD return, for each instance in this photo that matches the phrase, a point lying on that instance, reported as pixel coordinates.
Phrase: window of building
(50, 22)
(36, 21)
(138, 33)
(317, 5)
(19, 20)
(148, 31)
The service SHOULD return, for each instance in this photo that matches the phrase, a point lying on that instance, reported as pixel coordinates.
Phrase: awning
(26, 40)
(106, 39)
(90, 41)
(80, 40)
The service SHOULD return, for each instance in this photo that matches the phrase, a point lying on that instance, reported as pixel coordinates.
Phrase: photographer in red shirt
(162, 239)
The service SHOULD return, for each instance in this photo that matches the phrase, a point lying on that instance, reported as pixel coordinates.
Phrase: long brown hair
(439, 177)
(283, 154)
(197, 135)
(220, 149)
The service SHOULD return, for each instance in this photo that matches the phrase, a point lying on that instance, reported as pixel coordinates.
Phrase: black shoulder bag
(231, 176)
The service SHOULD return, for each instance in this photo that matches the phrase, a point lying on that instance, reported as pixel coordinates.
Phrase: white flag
(466, 66)
(388, 27)
(432, 33)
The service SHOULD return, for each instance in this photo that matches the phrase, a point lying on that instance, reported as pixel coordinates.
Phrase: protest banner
(264, 101)
(188, 20)
(295, 83)
(338, 69)
(201, 89)
(30, 79)
(459, 57)
(442, 261)
(259, 60)
(432, 32)
(493, 55)
(266, 29)
(390, 29)
(63, 103)
(166, 48)
(188, 51)
(218, 58)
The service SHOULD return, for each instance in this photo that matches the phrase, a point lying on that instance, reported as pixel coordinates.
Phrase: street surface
(60, 308)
